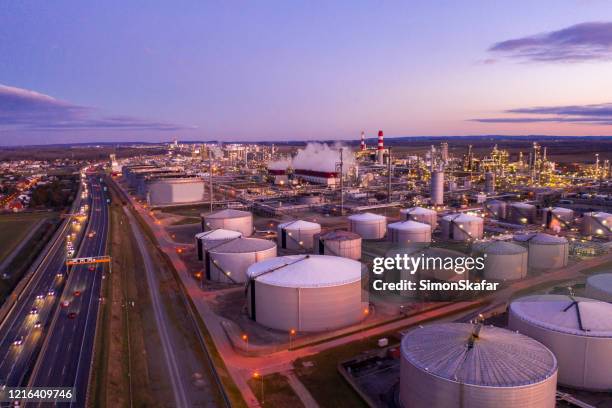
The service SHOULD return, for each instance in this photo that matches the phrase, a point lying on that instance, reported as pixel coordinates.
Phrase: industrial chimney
(363, 145)
(381, 148)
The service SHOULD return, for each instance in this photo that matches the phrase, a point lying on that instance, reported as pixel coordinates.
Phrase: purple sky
(197, 70)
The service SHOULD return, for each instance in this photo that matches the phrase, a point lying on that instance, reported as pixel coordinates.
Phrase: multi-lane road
(55, 319)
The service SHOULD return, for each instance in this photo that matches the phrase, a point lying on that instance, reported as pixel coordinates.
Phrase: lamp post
(257, 375)
(292, 333)
(245, 338)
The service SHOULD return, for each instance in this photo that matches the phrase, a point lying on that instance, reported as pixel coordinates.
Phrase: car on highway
(72, 315)
(37, 324)
(59, 275)
(40, 296)
(33, 311)
(65, 303)
(18, 341)
(91, 268)
(77, 293)
(91, 234)
(51, 292)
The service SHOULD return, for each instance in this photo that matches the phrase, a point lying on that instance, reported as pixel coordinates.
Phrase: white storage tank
(497, 208)
(420, 214)
(207, 239)
(463, 365)
(164, 191)
(436, 188)
(235, 220)
(431, 266)
(462, 227)
(338, 243)
(307, 293)
(598, 224)
(557, 217)
(577, 330)
(229, 261)
(599, 287)
(368, 225)
(522, 213)
(298, 235)
(405, 232)
(545, 251)
(503, 260)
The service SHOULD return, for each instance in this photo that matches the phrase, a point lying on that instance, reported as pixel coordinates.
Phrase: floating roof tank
(545, 251)
(598, 224)
(339, 243)
(207, 239)
(405, 232)
(235, 220)
(368, 225)
(298, 235)
(522, 213)
(503, 260)
(229, 261)
(557, 217)
(462, 227)
(599, 287)
(307, 293)
(420, 214)
(463, 365)
(577, 330)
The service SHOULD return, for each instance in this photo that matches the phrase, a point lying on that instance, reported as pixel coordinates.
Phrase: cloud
(581, 42)
(597, 114)
(22, 109)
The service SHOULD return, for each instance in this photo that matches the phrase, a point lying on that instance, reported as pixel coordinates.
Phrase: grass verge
(275, 392)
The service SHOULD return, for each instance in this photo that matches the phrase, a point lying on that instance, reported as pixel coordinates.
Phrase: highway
(66, 357)
(47, 282)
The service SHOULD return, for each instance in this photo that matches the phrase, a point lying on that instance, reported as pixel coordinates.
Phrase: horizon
(303, 72)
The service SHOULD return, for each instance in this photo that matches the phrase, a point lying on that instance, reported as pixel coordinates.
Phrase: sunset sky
(74, 71)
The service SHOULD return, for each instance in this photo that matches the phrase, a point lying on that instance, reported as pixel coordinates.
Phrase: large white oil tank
(462, 227)
(338, 243)
(420, 214)
(405, 232)
(229, 261)
(497, 208)
(577, 330)
(436, 188)
(464, 365)
(522, 213)
(208, 239)
(368, 225)
(431, 263)
(298, 235)
(557, 217)
(598, 224)
(163, 191)
(307, 293)
(545, 251)
(235, 220)
(599, 287)
(503, 260)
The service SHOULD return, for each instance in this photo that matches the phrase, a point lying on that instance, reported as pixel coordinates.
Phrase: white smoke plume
(318, 157)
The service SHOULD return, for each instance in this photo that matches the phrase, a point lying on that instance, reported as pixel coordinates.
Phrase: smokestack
(362, 146)
(380, 150)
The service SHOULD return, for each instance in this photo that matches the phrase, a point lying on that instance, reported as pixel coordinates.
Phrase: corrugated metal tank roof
(410, 225)
(500, 248)
(498, 357)
(299, 224)
(240, 245)
(219, 233)
(367, 216)
(228, 213)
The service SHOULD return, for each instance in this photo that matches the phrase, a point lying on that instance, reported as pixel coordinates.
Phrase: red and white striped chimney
(362, 146)
(381, 144)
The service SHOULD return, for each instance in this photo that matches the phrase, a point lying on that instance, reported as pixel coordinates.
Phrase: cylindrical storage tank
(599, 287)
(297, 235)
(489, 182)
(463, 365)
(307, 293)
(577, 330)
(436, 188)
(405, 232)
(229, 261)
(497, 208)
(235, 220)
(522, 213)
(338, 243)
(503, 260)
(208, 239)
(557, 217)
(420, 214)
(368, 225)
(429, 263)
(598, 224)
(462, 227)
(545, 251)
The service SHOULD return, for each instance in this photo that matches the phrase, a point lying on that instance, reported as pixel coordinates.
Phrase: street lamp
(257, 375)
(292, 333)
(245, 338)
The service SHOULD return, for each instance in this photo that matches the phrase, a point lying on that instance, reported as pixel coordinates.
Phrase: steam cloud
(318, 157)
